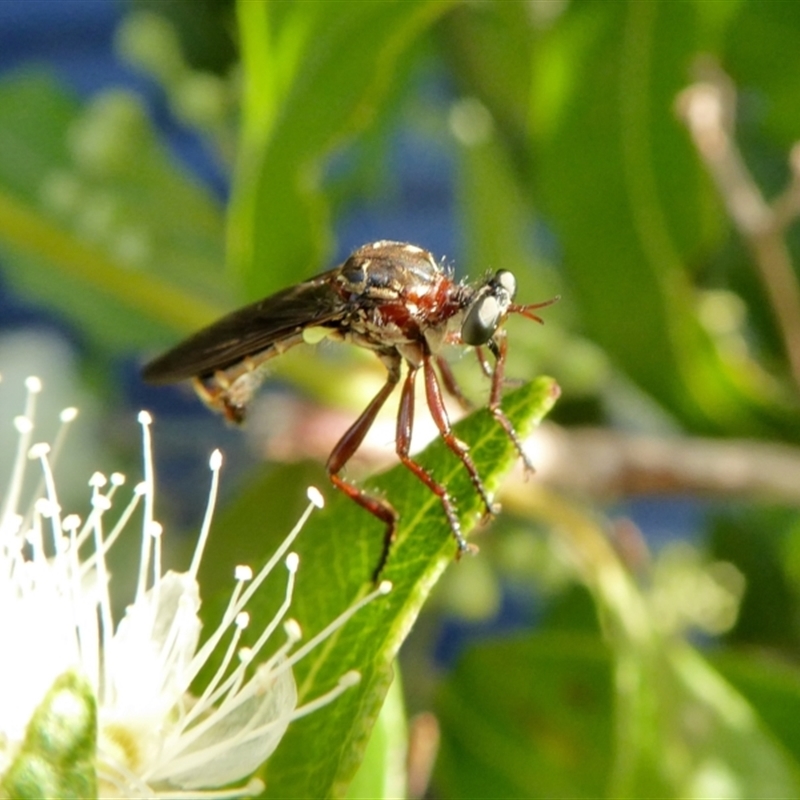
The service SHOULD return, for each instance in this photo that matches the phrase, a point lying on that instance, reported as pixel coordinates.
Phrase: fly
(391, 298)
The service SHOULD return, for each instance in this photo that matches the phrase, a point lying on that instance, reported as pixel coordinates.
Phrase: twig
(708, 109)
(603, 464)
(598, 463)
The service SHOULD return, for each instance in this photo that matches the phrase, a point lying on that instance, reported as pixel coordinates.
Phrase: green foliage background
(573, 169)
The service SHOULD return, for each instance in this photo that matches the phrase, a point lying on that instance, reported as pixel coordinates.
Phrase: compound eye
(506, 280)
(481, 321)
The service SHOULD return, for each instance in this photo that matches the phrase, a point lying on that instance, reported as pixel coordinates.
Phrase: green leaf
(681, 730)
(339, 550)
(630, 205)
(686, 732)
(772, 688)
(527, 717)
(96, 220)
(58, 754)
(316, 74)
(382, 773)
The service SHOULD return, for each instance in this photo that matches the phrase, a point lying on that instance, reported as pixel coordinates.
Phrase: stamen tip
(215, 461)
(39, 450)
(243, 573)
(350, 678)
(68, 414)
(145, 418)
(315, 496)
(292, 562)
(23, 424)
(33, 384)
(293, 630)
(242, 620)
(117, 479)
(98, 480)
(385, 587)
(101, 502)
(71, 522)
(254, 787)
(47, 508)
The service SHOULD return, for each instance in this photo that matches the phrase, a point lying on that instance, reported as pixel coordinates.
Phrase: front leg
(344, 451)
(433, 394)
(499, 348)
(405, 425)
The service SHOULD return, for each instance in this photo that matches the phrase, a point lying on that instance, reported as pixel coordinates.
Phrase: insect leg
(486, 367)
(405, 423)
(343, 452)
(214, 393)
(499, 347)
(450, 383)
(439, 413)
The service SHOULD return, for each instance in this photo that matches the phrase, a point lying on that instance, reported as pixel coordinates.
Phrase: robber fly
(393, 299)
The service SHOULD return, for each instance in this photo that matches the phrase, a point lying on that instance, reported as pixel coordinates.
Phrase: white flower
(153, 738)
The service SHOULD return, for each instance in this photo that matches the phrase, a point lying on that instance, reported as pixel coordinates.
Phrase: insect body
(389, 297)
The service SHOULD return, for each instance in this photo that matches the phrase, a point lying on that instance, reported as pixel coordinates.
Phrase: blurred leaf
(339, 549)
(755, 541)
(490, 46)
(96, 221)
(104, 301)
(769, 72)
(601, 151)
(685, 732)
(205, 29)
(681, 730)
(382, 773)
(316, 74)
(772, 688)
(530, 717)
(627, 205)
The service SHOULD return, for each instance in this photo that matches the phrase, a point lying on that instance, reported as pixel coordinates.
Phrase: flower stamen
(154, 739)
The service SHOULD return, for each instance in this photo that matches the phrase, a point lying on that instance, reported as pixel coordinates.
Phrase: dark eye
(481, 320)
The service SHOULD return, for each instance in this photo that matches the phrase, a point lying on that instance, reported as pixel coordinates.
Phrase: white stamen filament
(345, 682)
(234, 608)
(144, 559)
(384, 588)
(229, 686)
(24, 425)
(154, 739)
(215, 462)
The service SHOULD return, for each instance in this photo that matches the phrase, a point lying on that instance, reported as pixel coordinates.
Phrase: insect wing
(251, 331)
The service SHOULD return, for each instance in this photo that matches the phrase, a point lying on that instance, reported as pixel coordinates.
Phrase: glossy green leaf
(339, 550)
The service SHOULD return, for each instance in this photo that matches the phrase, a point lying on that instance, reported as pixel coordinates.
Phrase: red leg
(499, 347)
(434, 396)
(486, 367)
(450, 383)
(344, 451)
(405, 423)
